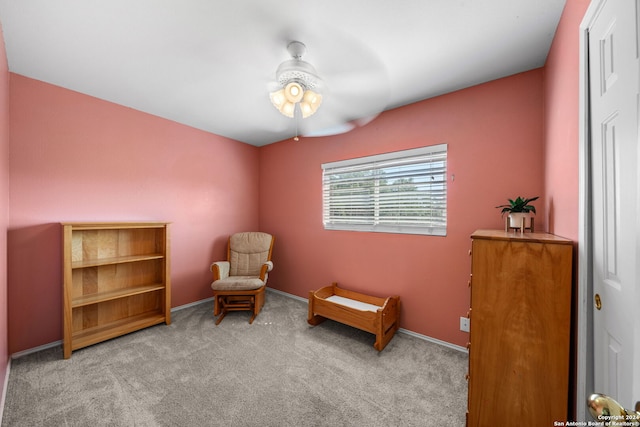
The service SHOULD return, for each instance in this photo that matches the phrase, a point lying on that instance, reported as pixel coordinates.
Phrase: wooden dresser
(520, 329)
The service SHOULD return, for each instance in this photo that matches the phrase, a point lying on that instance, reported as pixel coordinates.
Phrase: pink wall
(561, 132)
(4, 206)
(75, 158)
(561, 77)
(494, 135)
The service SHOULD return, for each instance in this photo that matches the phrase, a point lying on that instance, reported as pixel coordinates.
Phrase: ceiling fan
(349, 92)
(299, 82)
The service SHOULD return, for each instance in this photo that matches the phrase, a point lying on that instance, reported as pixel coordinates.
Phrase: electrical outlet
(464, 324)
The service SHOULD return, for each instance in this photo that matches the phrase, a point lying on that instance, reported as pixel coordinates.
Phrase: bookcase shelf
(114, 260)
(116, 280)
(112, 295)
(97, 334)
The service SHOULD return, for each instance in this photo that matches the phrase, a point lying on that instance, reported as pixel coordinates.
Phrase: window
(400, 192)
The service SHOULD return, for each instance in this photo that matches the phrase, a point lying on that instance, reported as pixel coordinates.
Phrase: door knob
(601, 405)
(598, 301)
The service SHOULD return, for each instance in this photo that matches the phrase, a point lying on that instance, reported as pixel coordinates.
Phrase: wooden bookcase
(519, 350)
(116, 280)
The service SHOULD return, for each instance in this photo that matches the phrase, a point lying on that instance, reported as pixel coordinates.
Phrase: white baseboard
(23, 353)
(4, 388)
(191, 304)
(28, 351)
(433, 340)
(286, 294)
(401, 330)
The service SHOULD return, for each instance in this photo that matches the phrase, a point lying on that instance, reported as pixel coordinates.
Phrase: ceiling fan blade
(353, 80)
(330, 131)
(349, 106)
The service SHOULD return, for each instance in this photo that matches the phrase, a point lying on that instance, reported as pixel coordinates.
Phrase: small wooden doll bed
(379, 316)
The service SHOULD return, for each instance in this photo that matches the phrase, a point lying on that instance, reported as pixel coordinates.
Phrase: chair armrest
(266, 267)
(220, 270)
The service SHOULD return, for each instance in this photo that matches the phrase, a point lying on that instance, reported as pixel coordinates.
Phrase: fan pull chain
(295, 138)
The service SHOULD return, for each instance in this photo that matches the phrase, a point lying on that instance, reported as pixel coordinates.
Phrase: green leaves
(518, 205)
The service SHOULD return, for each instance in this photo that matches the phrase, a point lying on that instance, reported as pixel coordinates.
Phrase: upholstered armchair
(239, 282)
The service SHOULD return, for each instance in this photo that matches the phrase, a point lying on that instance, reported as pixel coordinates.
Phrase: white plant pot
(515, 219)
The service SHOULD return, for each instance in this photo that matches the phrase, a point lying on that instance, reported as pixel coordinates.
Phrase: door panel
(614, 73)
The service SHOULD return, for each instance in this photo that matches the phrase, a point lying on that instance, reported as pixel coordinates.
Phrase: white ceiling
(209, 64)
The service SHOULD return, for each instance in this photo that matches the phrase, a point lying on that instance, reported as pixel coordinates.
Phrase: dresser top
(519, 236)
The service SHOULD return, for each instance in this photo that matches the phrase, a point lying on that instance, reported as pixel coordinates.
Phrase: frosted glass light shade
(277, 98)
(288, 108)
(285, 100)
(311, 102)
(293, 92)
(280, 101)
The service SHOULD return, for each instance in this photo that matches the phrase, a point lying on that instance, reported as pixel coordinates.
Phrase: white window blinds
(399, 192)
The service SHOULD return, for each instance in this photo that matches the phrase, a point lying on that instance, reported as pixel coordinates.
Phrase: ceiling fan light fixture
(310, 103)
(293, 92)
(288, 109)
(280, 100)
(297, 79)
(277, 98)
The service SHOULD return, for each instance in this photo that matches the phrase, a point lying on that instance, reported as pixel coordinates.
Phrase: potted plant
(519, 209)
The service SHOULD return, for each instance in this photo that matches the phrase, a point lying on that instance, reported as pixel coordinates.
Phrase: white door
(614, 78)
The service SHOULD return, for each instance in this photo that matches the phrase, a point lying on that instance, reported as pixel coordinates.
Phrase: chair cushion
(237, 283)
(248, 252)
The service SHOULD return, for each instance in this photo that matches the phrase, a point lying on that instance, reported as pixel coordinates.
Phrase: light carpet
(279, 371)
